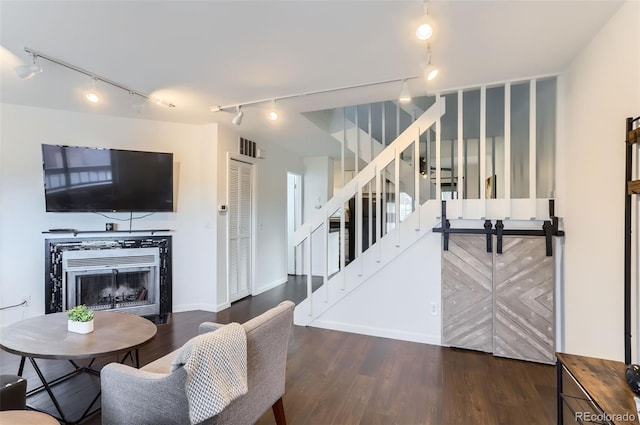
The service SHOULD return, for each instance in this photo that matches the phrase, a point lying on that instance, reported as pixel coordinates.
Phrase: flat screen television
(83, 179)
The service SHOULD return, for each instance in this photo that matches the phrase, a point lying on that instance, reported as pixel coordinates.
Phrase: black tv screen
(82, 179)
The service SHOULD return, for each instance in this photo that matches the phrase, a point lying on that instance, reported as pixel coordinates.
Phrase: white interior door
(294, 219)
(240, 231)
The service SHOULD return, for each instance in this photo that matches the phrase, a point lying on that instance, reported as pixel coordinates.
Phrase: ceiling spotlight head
(430, 72)
(237, 120)
(27, 71)
(92, 96)
(24, 72)
(405, 95)
(424, 31)
(273, 113)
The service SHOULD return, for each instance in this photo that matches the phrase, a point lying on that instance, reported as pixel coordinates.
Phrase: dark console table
(593, 391)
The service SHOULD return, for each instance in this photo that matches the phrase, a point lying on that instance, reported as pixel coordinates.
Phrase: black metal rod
(549, 229)
(48, 389)
(627, 246)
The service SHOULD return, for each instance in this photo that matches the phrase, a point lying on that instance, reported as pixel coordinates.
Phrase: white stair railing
(374, 171)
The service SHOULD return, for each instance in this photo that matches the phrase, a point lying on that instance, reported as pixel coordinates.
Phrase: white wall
(271, 209)
(396, 301)
(600, 90)
(23, 216)
(199, 231)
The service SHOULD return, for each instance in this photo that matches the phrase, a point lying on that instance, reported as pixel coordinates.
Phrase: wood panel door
(524, 316)
(467, 299)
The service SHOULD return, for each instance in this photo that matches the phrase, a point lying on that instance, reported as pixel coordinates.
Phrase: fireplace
(131, 275)
(119, 279)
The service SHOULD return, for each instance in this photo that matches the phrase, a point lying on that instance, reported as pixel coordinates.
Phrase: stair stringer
(358, 272)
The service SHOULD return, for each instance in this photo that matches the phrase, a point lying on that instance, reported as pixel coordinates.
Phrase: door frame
(252, 268)
(294, 221)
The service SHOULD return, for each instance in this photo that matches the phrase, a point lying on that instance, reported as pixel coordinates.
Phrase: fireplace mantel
(54, 249)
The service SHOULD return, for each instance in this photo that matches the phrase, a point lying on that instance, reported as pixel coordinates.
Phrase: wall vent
(247, 147)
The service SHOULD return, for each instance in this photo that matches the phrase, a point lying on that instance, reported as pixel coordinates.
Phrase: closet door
(467, 300)
(240, 214)
(524, 302)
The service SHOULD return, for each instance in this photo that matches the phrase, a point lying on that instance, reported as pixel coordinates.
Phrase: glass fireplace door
(131, 289)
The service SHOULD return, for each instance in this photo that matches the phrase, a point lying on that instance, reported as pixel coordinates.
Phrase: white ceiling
(203, 53)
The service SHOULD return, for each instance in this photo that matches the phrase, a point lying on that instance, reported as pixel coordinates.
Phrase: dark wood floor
(341, 378)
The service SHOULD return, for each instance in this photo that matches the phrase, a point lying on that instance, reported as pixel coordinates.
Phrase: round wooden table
(26, 417)
(47, 337)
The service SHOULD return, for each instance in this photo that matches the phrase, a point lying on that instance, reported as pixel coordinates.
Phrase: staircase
(395, 170)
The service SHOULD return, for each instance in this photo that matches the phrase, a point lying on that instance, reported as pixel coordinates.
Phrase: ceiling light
(163, 102)
(405, 96)
(425, 29)
(93, 95)
(27, 71)
(237, 120)
(273, 113)
(430, 71)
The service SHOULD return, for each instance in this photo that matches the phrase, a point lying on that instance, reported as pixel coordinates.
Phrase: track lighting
(273, 113)
(27, 71)
(93, 96)
(237, 120)
(430, 71)
(405, 96)
(425, 29)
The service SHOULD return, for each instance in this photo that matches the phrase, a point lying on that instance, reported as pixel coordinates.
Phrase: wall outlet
(434, 308)
(26, 301)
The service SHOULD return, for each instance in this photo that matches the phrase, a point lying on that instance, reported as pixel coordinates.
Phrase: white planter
(80, 327)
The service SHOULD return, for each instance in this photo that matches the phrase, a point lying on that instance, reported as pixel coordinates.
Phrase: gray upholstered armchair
(153, 395)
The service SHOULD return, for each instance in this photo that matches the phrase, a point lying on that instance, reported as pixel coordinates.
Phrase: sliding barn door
(524, 302)
(467, 300)
(240, 214)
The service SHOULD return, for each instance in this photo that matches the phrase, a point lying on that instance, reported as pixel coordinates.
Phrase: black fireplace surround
(53, 266)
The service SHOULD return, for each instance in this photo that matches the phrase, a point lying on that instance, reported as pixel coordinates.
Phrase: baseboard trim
(222, 306)
(378, 332)
(268, 287)
(192, 307)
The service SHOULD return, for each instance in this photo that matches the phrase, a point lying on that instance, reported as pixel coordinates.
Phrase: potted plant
(80, 320)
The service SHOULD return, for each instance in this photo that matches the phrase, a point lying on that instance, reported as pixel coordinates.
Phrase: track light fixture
(237, 120)
(26, 71)
(405, 95)
(430, 71)
(425, 29)
(273, 113)
(93, 95)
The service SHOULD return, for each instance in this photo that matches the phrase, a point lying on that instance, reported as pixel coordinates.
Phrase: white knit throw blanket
(216, 366)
